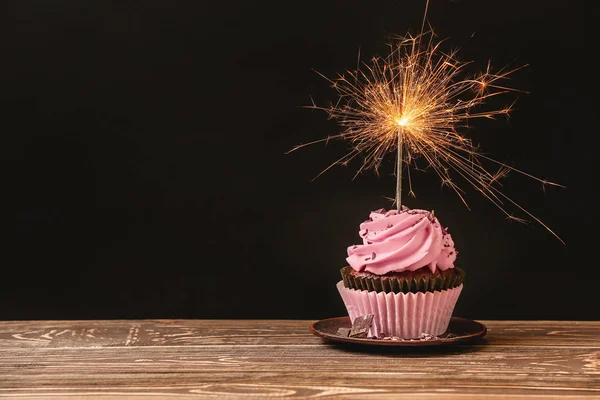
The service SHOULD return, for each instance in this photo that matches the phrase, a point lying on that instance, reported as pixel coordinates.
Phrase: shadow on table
(472, 346)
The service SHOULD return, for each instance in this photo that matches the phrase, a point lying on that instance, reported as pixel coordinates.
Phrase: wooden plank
(281, 362)
(248, 332)
(148, 359)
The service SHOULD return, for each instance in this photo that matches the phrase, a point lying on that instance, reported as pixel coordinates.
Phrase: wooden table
(148, 359)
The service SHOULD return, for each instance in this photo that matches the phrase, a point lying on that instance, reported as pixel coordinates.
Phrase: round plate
(459, 330)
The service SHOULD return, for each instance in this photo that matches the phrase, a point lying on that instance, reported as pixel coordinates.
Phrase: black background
(144, 175)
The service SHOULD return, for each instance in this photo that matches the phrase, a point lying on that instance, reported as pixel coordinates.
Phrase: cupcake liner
(405, 282)
(404, 315)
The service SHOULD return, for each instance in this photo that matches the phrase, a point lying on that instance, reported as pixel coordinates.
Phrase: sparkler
(417, 98)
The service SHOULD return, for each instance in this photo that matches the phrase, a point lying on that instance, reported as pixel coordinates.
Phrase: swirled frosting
(406, 240)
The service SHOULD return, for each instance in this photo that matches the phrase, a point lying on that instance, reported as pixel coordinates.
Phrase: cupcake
(403, 274)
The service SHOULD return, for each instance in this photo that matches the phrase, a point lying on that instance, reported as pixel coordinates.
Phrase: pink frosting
(402, 241)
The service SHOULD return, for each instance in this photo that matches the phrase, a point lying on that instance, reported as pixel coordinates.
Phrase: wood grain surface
(147, 359)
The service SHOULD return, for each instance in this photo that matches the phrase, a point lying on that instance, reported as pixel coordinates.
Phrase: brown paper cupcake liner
(419, 281)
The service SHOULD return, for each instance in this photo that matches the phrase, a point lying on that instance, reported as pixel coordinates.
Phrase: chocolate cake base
(421, 280)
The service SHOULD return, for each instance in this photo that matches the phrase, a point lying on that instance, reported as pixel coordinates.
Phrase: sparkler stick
(399, 169)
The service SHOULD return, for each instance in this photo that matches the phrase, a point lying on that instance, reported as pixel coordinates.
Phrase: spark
(423, 96)
(403, 121)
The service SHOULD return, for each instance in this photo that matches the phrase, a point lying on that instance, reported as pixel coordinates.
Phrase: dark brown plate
(459, 331)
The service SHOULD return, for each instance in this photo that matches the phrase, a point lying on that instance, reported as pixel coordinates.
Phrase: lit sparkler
(417, 99)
